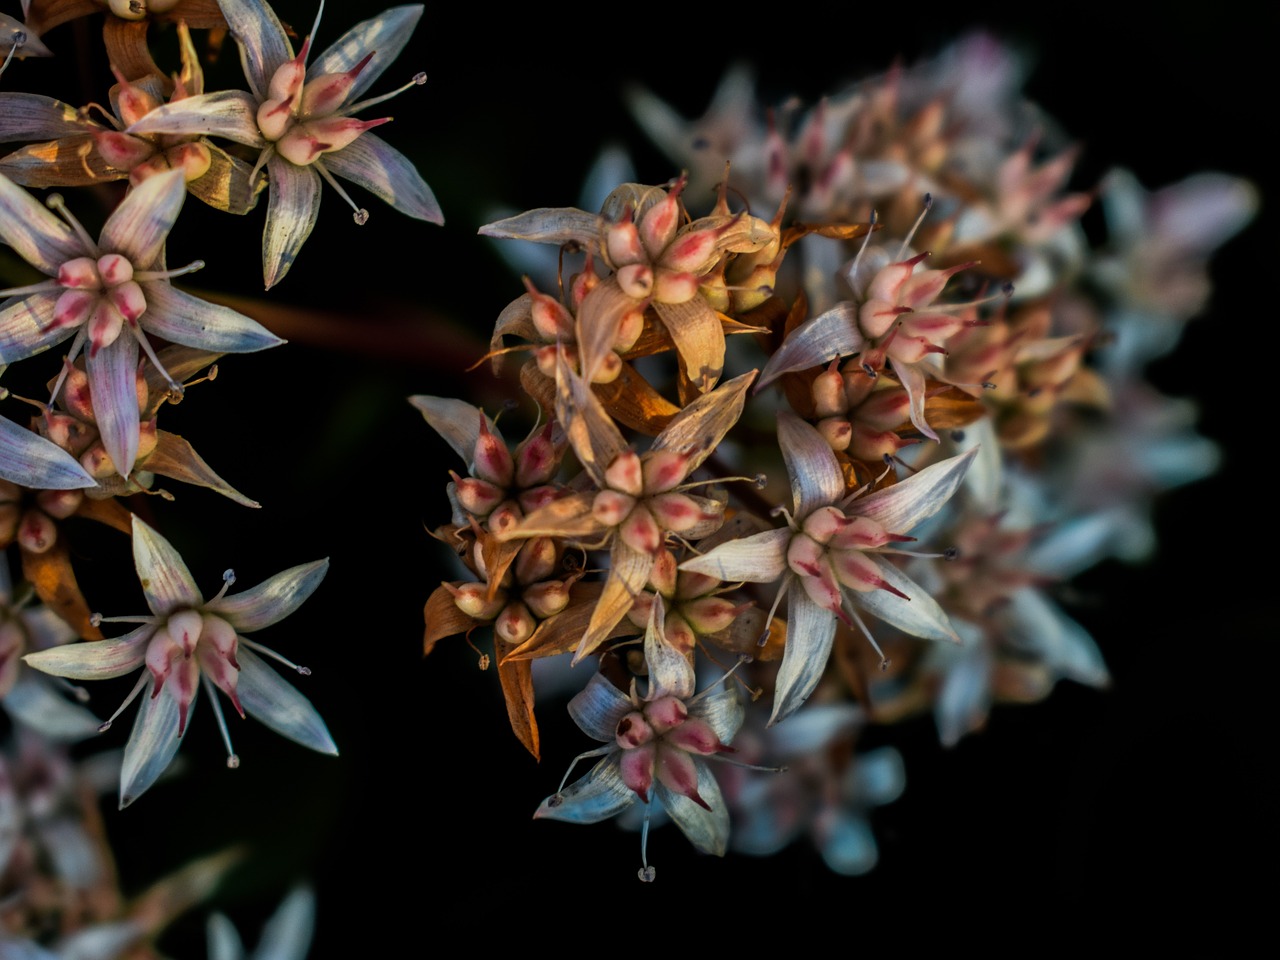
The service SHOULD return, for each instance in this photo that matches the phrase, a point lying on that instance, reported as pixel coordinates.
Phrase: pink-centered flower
(829, 557)
(303, 120)
(108, 296)
(188, 642)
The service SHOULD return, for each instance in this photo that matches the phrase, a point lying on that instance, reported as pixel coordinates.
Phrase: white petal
(556, 225)
(287, 935)
(152, 744)
(29, 460)
(598, 707)
(291, 215)
(816, 478)
(455, 420)
(599, 795)
(723, 710)
(166, 581)
(264, 47)
(1038, 625)
(33, 231)
(817, 341)
(388, 174)
(670, 673)
(33, 702)
(29, 117)
(230, 114)
(268, 697)
(760, 558)
(95, 659)
(810, 633)
(911, 376)
(192, 322)
(909, 502)
(113, 376)
(708, 830)
(384, 36)
(137, 228)
(272, 600)
(920, 616)
(847, 845)
(223, 940)
(26, 326)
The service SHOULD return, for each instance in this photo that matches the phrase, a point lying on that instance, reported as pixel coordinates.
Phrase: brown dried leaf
(127, 50)
(948, 409)
(110, 512)
(174, 457)
(540, 387)
(443, 618)
(1087, 388)
(633, 402)
(71, 161)
(561, 633)
(832, 231)
(54, 580)
(699, 338)
(498, 556)
(628, 573)
(516, 678)
(225, 185)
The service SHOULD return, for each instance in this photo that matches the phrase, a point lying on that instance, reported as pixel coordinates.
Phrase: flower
(828, 554)
(286, 936)
(188, 641)
(97, 291)
(303, 122)
(656, 746)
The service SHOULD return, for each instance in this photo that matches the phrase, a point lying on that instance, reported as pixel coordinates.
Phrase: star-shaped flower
(187, 642)
(302, 119)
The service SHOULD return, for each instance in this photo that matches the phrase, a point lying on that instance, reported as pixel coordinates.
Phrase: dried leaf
(110, 512)
(67, 162)
(628, 573)
(633, 402)
(54, 580)
(127, 51)
(949, 408)
(540, 387)
(498, 556)
(516, 679)
(443, 618)
(174, 457)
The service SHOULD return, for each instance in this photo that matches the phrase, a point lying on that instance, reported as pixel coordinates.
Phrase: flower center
(102, 293)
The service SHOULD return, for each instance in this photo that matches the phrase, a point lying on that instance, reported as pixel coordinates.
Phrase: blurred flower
(287, 935)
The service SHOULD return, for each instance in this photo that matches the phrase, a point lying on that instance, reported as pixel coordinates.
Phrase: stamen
(871, 228)
(646, 872)
(233, 759)
(228, 578)
(98, 618)
(192, 267)
(597, 752)
(418, 80)
(19, 39)
(483, 662)
(742, 658)
(884, 661)
(133, 695)
(735, 762)
(768, 622)
(80, 693)
(59, 206)
(361, 215)
(31, 288)
(174, 386)
(890, 459)
(906, 243)
(268, 652)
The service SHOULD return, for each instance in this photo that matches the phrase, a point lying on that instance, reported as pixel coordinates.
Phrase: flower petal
(139, 227)
(264, 46)
(152, 744)
(457, 421)
(599, 795)
(708, 830)
(590, 430)
(906, 504)
(912, 379)
(272, 600)
(287, 935)
(166, 581)
(223, 940)
(557, 225)
(384, 36)
(815, 342)
(95, 659)
(699, 338)
(230, 114)
(388, 174)
(670, 673)
(1036, 624)
(113, 381)
(810, 633)
(723, 710)
(192, 322)
(35, 234)
(598, 707)
(29, 460)
(269, 698)
(33, 702)
(760, 558)
(816, 478)
(26, 326)
(698, 429)
(29, 116)
(920, 616)
(291, 215)
(629, 569)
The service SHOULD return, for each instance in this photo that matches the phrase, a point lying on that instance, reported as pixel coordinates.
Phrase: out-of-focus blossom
(187, 642)
(287, 935)
(302, 119)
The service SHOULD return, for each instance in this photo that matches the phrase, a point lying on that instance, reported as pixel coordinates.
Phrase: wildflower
(30, 460)
(303, 122)
(188, 641)
(827, 557)
(655, 748)
(98, 291)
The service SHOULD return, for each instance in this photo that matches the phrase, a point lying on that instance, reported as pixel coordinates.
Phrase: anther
(761, 480)
(884, 664)
(646, 874)
(951, 553)
(95, 620)
(361, 217)
(420, 78)
(104, 726)
(228, 576)
(233, 762)
(555, 800)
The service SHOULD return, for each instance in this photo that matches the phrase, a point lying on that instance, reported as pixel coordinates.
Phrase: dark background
(424, 821)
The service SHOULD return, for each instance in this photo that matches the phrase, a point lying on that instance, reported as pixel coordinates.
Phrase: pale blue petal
(26, 326)
(95, 659)
(29, 460)
(556, 225)
(192, 322)
(273, 599)
(230, 114)
(814, 728)
(113, 380)
(919, 616)
(879, 776)
(152, 744)
(287, 935)
(291, 214)
(223, 940)
(708, 830)
(599, 795)
(965, 695)
(598, 707)
(815, 342)
(139, 226)
(816, 478)
(911, 376)
(29, 117)
(811, 630)
(901, 507)
(759, 558)
(1061, 644)
(166, 581)
(106, 941)
(723, 710)
(384, 36)
(269, 698)
(33, 702)
(387, 173)
(264, 46)
(36, 235)
(848, 846)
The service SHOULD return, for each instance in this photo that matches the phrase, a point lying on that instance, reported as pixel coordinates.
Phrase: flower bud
(80, 274)
(609, 369)
(624, 474)
(492, 460)
(640, 531)
(193, 159)
(477, 497)
(711, 614)
(661, 221)
(221, 636)
(97, 462)
(611, 507)
(828, 393)
(60, 504)
(696, 736)
(122, 150)
(622, 243)
(860, 533)
(537, 560)
(473, 600)
(633, 731)
(665, 469)
(677, 773)
(515, 624)
(837, 431)
(37, 533)
(636, 280)
(630, 326)
(547, 598)
(678, 512)
(636, 768)
(679, 634)
(665, 713)
(805, 555)
(537, 497)
(664, 574)
(536, 460)
(506, 517)
(551, 320)
(672, 287)
(184, 627)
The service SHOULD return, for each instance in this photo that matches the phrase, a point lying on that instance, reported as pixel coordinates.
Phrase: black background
(424, 822)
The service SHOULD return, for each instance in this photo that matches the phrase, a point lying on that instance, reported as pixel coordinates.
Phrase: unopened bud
(711, 614)
(473, 600)
(624, 474)
(515, 624)
(537, 560)
(636, 280)
(536, 461)
(477, 497)
(665, 469)
(837, 431)
(547, 598)
(60, 504)
(492, 460)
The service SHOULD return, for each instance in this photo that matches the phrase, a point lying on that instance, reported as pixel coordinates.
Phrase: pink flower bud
(611, 507)
(37, 533)
(679, 634)
(73, 308)
(636, 280)
(221, 672)
(275, 115)
(60, 504)
(860, 533)
(629, 329)
(114, 269)
(506, 517)
(711, 614)
(690, 584)
(875, 317)
(837, 431)
(122, 150)
(288, 80)
(636, 768)
(828, 393)
(80, 274)
(664, 574)
(193, 159)
(610, 367)
(640, 531)
(805, 555)
(547, 598)
(580, 284)
(640, 610)
(129, 300)
(327, 93)
(133, 102)
(492, 460)
(551, 319)
(515, 624)
(677, 512)
(885, 409)
(537, 560)
(162, 650)
(184, 627)
(537, 497)
(872, 445)
(665, 713)
(97, 462)
(624, 474)
(694, 252)
(672, 287)
(473, 600)
(677, 773)
(664, 470)
(221, 636)
(859, 572)
(696, 736)
(659, 225)
(477, 497)
(633, 731)
(536, 461)
(105, 324)
(148, 438)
